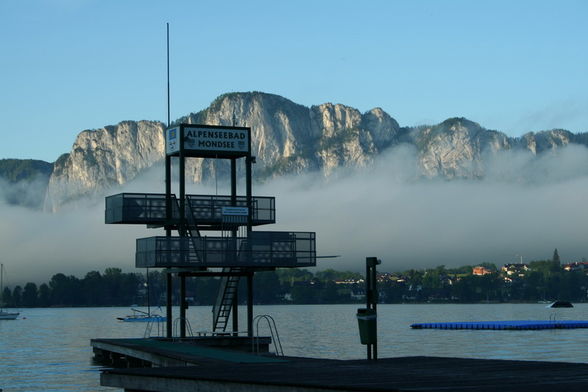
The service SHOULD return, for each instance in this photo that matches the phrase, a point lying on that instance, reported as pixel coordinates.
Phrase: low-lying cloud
(525, 206)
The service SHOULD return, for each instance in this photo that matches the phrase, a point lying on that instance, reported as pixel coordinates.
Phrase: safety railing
(260, 249)
(150, 208)
(138, 208)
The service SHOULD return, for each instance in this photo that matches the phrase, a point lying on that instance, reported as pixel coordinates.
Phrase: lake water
(49, 349)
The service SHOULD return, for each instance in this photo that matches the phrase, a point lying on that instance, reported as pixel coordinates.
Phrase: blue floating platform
(506, 325)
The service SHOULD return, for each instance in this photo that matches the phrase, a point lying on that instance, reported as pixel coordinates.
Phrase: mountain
(291, 138)
(24, 181)
(102, 158)
(288, 138)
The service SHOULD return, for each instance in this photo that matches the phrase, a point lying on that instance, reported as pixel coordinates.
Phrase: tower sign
(206, 140)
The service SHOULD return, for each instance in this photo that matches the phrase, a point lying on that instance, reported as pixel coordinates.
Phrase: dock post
(371, 295)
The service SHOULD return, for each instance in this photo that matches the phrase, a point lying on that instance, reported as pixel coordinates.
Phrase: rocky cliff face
(456, 148)
(102, 158)
(290, 138)
(287, 138)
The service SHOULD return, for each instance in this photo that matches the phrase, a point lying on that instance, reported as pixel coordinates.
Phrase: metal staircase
(224, 301)
(192, 230)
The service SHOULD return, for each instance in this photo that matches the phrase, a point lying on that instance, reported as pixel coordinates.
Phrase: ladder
(224, 301)
(192, 229)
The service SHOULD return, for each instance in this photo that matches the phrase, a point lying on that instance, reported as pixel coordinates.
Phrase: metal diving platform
(207, 210)
(260, 249)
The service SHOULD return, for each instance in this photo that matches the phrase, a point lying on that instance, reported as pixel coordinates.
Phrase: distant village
(546, 280)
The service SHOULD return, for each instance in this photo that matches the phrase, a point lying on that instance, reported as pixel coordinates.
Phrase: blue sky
(70, 65)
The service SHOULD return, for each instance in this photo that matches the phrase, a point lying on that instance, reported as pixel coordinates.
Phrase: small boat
(8, 315)
(142, 316)
(3, 314)
(561, 304)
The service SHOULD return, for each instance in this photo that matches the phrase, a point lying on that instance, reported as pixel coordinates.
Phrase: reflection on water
(49, 350)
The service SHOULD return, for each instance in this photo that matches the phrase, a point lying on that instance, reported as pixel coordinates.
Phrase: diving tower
(210, 235)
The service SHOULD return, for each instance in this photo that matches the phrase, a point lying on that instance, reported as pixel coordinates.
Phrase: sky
(71, 65)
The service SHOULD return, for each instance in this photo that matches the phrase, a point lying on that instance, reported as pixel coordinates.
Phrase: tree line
(539, 280)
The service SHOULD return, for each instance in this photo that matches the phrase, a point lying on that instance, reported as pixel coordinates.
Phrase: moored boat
(142, 316)
(3, 314)
(8, 315)
(561, 304)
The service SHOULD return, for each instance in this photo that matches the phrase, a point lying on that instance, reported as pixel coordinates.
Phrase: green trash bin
(367, 321)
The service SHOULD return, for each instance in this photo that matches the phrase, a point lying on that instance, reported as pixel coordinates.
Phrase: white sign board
(235, 211)
(216, 139)
(172, 140)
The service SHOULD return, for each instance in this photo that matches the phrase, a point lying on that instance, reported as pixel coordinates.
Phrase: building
(515, 269)
(481, 271)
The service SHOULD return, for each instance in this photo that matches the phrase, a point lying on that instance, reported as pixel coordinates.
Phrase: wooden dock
(227, 364)
(392, 374)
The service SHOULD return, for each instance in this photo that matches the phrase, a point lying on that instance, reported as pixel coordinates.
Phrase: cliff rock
(287, 138)
(102, 158)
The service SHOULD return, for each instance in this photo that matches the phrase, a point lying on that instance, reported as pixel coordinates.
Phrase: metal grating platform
(149, 208)
(261, 249)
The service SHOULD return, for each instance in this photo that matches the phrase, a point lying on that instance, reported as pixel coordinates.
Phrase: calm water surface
(49, 349)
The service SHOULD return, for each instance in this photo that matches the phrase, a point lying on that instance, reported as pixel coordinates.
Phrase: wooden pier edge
(158, 384)
(390, 374)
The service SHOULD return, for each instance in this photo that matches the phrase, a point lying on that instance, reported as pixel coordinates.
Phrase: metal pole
(168, 209)
(248, 170)
(368, 299)
(250, 304)
(233, 181)
(168, 307)
(168, 105)
(182, 229)
(249, 160)
(182, 180)
(372, 300)
(182, 306)
(168, 219)
(148, 292)
(235, 309)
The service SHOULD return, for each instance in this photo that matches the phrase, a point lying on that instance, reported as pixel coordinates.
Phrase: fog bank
(525, 206)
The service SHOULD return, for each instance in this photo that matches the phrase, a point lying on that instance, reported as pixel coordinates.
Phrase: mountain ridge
(288, 138)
